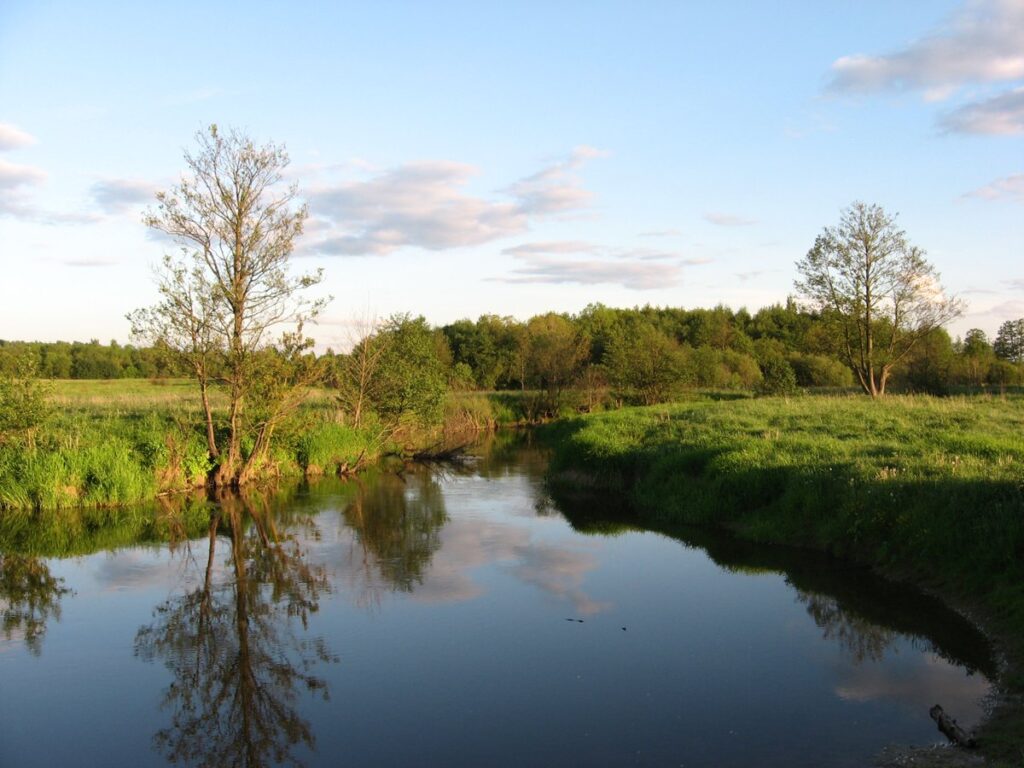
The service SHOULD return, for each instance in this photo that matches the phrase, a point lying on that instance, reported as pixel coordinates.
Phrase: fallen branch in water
(951, 729)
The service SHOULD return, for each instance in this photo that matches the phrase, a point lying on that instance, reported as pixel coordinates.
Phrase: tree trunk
(259, 452)
(886, 370)
(211, 438)
(951, 729)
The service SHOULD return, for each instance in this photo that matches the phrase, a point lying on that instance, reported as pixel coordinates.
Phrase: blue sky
(463, 158)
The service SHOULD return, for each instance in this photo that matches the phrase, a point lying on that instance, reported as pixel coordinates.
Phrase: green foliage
(777, 377)
(411, 380)
(556, 354)
(114, 444)
(878, 291)
(819, 371)
(23, 404)
(87, 360)
(329, 446)
(1009, 343)
(642, 364)
(930, 484)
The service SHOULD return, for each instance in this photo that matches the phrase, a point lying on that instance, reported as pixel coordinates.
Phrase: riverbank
(925, 489)
(114, 443)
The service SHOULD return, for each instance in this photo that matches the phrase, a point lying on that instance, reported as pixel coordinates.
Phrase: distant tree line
(643, 355)
(639, 355)
(89, 360)
(649, 354)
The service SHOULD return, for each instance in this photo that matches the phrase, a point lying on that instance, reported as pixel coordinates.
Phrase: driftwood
(951, 729)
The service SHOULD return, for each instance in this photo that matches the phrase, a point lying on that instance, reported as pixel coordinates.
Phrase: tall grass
(935, 482)
(124, 441)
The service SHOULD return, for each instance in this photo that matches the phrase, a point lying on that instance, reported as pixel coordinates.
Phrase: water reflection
(861, 612)
(479, 570)
(859, 638)
(30, 596)
(396, 520)
(231, 645)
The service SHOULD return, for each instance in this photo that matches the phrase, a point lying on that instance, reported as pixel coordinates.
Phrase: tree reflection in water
(861, 638)
(232, 646)
(29, 597)
(397, 521)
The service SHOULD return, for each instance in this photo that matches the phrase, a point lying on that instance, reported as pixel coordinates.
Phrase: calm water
(458, 617)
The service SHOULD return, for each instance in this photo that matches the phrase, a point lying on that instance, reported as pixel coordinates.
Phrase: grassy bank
(109, 443)
(930, 489)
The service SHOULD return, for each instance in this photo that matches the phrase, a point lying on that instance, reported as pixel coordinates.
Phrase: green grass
(927, 488)
(910, 481)
(110, 443)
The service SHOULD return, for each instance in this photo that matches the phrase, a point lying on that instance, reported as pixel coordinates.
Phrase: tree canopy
(877, 288)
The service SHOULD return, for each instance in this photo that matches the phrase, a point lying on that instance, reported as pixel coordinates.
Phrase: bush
(819, 371)
(778, 377)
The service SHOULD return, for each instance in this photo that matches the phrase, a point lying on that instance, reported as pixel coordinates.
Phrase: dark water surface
(455, 616)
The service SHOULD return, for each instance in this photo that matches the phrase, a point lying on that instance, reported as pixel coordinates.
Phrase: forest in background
(642, 355)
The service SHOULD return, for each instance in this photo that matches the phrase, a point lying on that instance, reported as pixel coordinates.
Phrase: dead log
(951, 729)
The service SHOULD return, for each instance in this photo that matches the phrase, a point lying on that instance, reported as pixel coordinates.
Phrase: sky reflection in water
(455, 616)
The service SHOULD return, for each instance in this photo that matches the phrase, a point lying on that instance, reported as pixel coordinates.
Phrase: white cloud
(662, 233)
(13, 175)
(14, 179)
(116, 195)
(418, 204)
(1008, 187)
(728, 219)
(558, 246)
(425, 205)
(558, 263)
(1001, 115)
(579, 246)
(555, 188)
(640, 276)
(12, 137)
(89, 263)
(982, 43)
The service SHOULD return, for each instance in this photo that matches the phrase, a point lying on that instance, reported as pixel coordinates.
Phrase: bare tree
(357, 370)
(238, 225)
(877, 289)
(184, 323)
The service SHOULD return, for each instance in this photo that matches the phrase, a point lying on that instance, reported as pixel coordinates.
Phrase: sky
(514, 158)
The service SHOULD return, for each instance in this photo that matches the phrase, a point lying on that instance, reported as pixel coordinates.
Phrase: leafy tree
(23, 400)
(642, 363)
(977, 356)
(237, 228)
(879, 289)
(556, 356)
(410, 379)
(929, 366)
(1009, 344)
(1004, 373)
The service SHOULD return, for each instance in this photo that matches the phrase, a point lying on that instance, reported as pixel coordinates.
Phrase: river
(457, 615)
